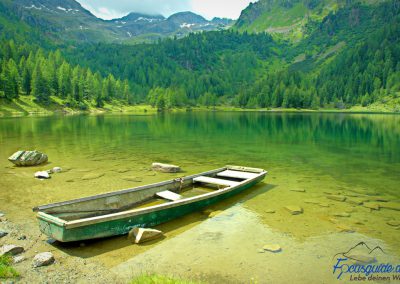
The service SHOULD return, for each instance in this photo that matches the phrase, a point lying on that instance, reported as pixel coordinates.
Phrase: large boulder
(28, 158)
(141, 235)
(165, 168)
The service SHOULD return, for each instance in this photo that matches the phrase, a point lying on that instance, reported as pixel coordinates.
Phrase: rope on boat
(180, 180)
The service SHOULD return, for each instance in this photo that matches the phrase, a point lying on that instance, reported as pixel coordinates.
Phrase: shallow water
(355, 155)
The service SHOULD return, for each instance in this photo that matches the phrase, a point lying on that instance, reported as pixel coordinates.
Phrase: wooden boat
(116, 213)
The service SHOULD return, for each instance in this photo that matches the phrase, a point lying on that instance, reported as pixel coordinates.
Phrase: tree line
(24, 71)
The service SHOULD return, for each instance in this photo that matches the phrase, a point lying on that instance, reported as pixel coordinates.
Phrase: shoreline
(149, 110)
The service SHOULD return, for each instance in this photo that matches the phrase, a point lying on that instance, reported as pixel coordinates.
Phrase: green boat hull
(124, 225)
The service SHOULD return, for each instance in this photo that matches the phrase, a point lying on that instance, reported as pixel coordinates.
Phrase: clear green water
(347, 154)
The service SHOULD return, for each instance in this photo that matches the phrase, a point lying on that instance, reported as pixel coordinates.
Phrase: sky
(107, 9)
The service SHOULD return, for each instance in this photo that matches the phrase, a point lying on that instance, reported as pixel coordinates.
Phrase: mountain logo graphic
(361, 252)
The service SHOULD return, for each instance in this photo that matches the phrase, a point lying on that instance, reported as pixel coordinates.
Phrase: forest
(218, 68)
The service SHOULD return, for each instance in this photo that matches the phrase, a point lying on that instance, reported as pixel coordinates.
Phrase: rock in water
(298, 190)
(11, 250)
(140, 235)
(393, 223)
(294, 210)
(56, 170)
(272, 248)
(28, 158)
(371, 205)
(341, 214)
(42, 175)
(3, 234)
(165, 168)
(92, 176)
(43, 259)
(336, 197)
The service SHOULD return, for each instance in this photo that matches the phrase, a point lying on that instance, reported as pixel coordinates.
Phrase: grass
(6, 270)
(161, 279)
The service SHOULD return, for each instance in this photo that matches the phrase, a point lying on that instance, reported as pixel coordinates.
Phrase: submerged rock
(391, 206)
(294, 210)
(42, 175)
(3, 234)
(371, 205)
(133, 179)
(272, 248)
(43, 259)
(393, 223)
(341, 214)
(340, 198)
(165, 168)
(92, 176)
(28, 158)
(11, 250)
(298, 190)
(345, 229)
(140, 235)
(269, 211)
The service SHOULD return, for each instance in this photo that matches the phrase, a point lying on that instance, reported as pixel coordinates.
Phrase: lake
(354, 155)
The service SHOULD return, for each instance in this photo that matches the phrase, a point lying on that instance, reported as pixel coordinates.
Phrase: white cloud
(219, 8)
(209, 9)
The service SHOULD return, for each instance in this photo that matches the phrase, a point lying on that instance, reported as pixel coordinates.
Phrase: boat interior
(150, 195)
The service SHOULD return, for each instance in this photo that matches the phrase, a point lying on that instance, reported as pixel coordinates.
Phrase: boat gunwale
(135, 212)
(119, 192)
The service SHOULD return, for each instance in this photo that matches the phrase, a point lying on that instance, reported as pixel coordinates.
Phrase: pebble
(18, 258)
(56, 170)
(42, 175)
(214, 213)
(43, 259)
(3, 234)
(298, 190)
(272, 248)
(269, 211)
(11, 249)
(323, 204)
(21, 238)
(340, 198)
(294, 210)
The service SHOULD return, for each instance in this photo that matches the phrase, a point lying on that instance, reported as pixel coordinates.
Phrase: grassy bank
(25, 105)
(6, 270)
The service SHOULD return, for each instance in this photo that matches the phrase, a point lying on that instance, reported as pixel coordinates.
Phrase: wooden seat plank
(237, 174)
(169, 195)
(216, 181)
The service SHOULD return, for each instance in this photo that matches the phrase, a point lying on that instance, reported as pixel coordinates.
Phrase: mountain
(156, 26)
(289, 19)
(68, 20)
